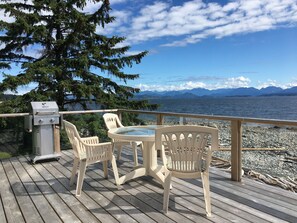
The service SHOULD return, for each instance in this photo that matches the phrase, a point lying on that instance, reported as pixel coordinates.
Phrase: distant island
(224, 92)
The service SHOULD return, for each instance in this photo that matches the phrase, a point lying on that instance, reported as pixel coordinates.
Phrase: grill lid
(44, 108)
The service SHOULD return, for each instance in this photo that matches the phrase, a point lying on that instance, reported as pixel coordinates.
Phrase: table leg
(138, 172)
(143, 170)
(154, 170)
(150, 166)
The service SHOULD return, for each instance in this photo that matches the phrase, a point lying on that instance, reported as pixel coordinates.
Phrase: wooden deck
(40, 193)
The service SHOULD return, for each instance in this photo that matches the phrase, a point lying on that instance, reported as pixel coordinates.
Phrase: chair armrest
(99, 151)
(90, 140)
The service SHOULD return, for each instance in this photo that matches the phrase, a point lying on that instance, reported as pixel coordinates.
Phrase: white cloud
(92, 6)
(5, 17)
(195, 20)
(183, 86)
(2, 45)
(22, 89)
(217, 83)
(113, 2)
(268, 83)
(275, 83)
(117, 25)
(293, 83)
(233, 82)
(31, 51)
(130, 53)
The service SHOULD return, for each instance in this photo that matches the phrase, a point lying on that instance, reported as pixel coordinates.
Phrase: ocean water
(273, 107)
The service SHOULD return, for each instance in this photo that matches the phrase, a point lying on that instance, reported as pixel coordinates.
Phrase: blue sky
(209, 44)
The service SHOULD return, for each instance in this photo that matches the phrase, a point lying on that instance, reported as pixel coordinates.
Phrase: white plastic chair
(86, 151)
(112, 121)
(188, 155)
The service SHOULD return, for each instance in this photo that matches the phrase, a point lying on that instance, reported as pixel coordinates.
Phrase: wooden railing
(236, 131)
(235, 125)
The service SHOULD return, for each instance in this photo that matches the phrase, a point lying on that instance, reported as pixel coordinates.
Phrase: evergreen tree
(74, 64)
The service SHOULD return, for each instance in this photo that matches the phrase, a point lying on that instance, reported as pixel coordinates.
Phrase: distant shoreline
(223, 92)
(209, 96)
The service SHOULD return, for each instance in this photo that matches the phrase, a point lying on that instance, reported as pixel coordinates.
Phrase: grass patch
(4, 155)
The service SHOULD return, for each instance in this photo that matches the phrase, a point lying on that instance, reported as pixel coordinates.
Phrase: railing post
(57, 145)
(182, 120)
(236, 141)
(160, 119)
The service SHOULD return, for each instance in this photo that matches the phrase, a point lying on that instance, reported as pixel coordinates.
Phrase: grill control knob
(52, 120)
(40, 121)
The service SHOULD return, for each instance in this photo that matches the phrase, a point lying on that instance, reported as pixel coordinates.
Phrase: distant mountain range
(202, 92)
(224, 92)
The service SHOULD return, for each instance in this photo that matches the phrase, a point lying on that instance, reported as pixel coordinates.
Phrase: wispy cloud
(231, 82)
(196, 20)
(197, 79)
(211, 84)
(269, 82)
(22, 89)
(183, 86)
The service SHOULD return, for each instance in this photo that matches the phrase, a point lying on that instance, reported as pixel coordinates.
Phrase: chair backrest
(73, 136)
(188, 147)
(112, 121)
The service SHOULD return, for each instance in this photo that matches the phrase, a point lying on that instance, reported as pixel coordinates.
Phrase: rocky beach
(271, 155)
(274, 157)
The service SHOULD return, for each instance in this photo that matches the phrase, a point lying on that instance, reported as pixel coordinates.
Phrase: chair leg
(205, 183)
(105, 169)
(74, 170)
(81, 176)
(166, 191)
(115, 170)
(141, 147)
(134, 147)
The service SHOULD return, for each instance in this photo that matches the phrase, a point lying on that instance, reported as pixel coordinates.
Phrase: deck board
(261, 202)
(2, 213)
(94, 202)
(144, 196)
(75, 203)
(41, 193)
(133, 200)
(258, 196)
(27, 206)
(39, 189)
(11, 207)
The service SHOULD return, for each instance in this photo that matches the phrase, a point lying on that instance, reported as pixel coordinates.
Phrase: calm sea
(274, 107)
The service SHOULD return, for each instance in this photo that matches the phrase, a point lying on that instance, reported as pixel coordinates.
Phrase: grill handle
(45, 112)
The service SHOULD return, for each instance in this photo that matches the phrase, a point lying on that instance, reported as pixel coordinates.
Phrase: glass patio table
(146, 134)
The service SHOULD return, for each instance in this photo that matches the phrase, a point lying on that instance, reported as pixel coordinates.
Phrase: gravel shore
(276, 162)
(280, 161)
